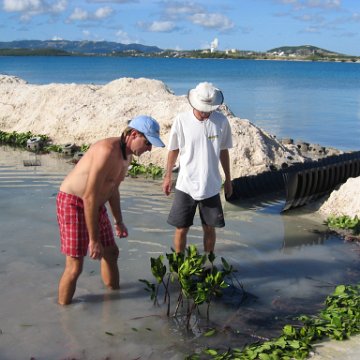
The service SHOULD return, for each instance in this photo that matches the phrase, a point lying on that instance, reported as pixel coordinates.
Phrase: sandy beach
(284, 261)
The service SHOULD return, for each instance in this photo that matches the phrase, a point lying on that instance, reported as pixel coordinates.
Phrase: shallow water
(287, 264)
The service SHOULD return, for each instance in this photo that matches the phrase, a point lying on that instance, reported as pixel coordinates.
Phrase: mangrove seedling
(197, 283)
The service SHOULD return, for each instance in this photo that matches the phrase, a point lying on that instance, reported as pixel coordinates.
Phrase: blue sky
(257, 25)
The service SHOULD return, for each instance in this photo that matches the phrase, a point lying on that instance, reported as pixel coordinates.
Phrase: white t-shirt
(199, 144)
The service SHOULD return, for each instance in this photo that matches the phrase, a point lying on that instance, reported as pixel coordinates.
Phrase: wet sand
(286, 263)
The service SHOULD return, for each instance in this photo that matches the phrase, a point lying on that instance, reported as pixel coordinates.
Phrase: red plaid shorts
(74, 236)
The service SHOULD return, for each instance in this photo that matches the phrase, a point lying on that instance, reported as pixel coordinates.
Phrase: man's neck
(198, 116)
(123, 148)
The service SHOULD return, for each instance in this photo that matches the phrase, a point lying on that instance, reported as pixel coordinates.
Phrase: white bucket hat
(205, 97)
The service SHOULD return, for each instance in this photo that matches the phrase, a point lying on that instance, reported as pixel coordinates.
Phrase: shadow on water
(286, 264)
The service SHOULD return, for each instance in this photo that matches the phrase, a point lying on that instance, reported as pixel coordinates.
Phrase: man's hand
(228, 189)
(96, 250)
(121, 230)
(167, 184)
(171, 161)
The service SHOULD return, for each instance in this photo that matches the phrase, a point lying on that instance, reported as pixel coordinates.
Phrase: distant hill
(82, 47)
(106, 48)
(303, 50)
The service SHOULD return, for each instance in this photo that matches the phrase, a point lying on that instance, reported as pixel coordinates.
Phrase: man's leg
(212, 216)
(67, 285)
(209, 238)
(109, 267)
(181, 216)
(180, 239)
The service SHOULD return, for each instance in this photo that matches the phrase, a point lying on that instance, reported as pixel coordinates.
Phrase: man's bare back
(103, 157)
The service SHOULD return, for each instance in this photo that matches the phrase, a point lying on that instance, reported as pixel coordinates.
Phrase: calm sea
(318, 102)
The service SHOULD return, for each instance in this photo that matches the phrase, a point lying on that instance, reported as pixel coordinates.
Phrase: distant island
(106, 48)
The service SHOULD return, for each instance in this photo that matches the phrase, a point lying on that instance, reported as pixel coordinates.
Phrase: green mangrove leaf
(210, 333)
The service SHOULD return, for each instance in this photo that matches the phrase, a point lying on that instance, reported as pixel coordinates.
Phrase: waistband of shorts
(75, 200)
(70, 197)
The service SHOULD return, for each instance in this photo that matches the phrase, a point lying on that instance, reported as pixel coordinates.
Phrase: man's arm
(225, 163)
(92, 198)
(115, 207)
(171, 160)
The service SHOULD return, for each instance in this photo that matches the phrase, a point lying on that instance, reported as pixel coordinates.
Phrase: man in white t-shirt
(201, 138)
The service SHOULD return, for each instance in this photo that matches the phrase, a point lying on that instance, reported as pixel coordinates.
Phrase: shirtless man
(82, 216)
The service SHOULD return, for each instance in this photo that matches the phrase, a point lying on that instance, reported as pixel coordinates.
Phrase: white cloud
(103, 12)
(311, 30)
(34, 6)
(79, 14)
(22, 5)
(176, 9)
(324, 4)
(213, 21)
(310, 18)
(161, 26)
(56, 38)
(157, 26)
(320, 4)
(82, 15)
(59, 6)
(30, 8)
(124, 37)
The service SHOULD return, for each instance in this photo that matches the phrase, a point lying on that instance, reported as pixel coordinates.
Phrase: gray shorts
(184, 207)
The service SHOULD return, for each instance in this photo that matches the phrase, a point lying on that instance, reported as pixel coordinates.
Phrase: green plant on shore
(344, 223)
(20, 139)
(151, 170)
(53, 148)
(84, 147)
(198, 284)
(60, 148)
(338, 320)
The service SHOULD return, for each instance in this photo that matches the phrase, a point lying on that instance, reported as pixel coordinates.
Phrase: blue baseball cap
(149, 127)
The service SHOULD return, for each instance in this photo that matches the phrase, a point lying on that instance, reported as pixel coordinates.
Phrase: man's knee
(182, 231)
(73, 268)
(111, 253)
(208, 230)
